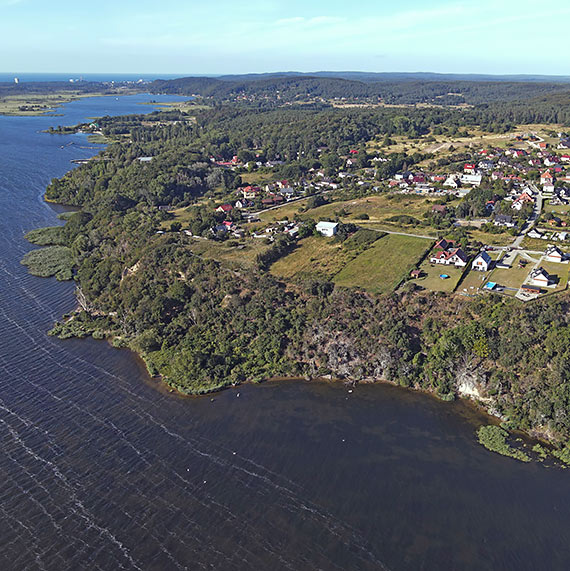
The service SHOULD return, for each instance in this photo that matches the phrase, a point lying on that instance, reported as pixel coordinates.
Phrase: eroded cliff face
(338, 353)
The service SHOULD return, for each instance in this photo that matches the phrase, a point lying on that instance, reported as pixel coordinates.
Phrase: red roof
(225, 207)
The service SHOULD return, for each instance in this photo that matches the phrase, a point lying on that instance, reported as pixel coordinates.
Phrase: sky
(222, 36)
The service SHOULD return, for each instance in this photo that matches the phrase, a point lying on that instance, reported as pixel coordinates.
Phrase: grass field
(512, 277)
(381, 268)
(231, 252)
(558, 208)
(503, 239)
(433, 282)
(314, 257)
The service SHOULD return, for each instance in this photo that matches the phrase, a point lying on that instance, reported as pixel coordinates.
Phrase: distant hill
(373, 77)
(390, 88)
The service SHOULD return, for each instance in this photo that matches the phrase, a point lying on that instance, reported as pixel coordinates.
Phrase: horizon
(75, 75)
(448, 37)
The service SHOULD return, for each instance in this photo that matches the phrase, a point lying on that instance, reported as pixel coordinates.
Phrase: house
(451, 181)
(439, 209)
(482, 262)
(443, 244)
(224, 208)
(546, 178)
(535, 234)
(553, 254)
(250, 192)
(472, 179)
(531, 289)
(522, 200)
(328, 229)
(469, 168)
(503, 220)
(540, 277)
(564, 144)
(453, 256)
(416, 273)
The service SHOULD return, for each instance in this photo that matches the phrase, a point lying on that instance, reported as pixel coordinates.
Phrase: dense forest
(203, 324)
(540, 97)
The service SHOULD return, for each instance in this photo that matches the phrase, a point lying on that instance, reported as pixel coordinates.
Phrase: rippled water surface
(100, 470)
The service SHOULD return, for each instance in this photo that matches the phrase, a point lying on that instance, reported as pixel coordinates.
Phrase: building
(452, 257)
(553, 254)
(503, 220)
(540, 277)
(328, 229)
(472, 179)
(482, 262)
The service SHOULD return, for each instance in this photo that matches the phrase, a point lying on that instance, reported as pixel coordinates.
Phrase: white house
(535, 234)
(453, 257)
(482, 262)
(327, 228)
(451, 182)
(540, 277)
(553, 254)
(473, 179)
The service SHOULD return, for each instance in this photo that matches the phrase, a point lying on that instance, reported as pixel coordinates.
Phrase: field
(431, 280)
(314, 257)
(381, 268)
(231, 252)
(557, 208)
(512, 277)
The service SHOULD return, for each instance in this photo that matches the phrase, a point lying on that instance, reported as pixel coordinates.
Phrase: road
(532, 220)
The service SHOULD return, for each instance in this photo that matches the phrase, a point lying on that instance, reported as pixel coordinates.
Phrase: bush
(51, 261)
(494, 438)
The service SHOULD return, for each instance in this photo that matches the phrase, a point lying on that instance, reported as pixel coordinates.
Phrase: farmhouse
(482, 262)
(327, 228)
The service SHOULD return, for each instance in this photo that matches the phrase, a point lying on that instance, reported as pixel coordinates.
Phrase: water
(99, 469)
(34, 77)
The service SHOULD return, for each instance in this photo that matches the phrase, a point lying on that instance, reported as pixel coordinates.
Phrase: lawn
(559, 270)
(314, 257)
(558, 208)
(512, 277)
(382, 267)
(473, 281)
(433, 282)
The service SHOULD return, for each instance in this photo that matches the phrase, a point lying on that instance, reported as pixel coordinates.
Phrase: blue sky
(222, 36)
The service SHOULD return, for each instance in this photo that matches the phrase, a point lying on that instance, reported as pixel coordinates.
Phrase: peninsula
(411, 232)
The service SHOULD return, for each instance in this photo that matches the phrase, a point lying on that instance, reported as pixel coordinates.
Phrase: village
(489, 219)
